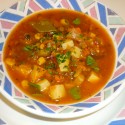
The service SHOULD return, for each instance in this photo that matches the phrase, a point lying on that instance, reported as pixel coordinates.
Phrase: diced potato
(24, 69)
(36, 73)
(67, 44)
(10, 61)
(76, 52)
(93, 77)
(44, 84)
(25, 84)
(41, 60)
(79, 79)
(57, 91)
(64, 66)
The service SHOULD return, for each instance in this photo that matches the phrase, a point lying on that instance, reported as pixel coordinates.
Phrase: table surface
(115, 5)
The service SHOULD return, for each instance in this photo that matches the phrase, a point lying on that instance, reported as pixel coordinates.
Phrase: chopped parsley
(28, 47)
(49, 65)
(61, 58)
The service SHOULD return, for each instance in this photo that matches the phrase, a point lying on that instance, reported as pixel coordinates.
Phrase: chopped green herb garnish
(50, 49)
(75, 93)
(76, 21)
(68, 54)
(42, 39)
(92, 63)
(28, 47)
(56, 35)
(50, 65)
(61, 58)
(50, 72)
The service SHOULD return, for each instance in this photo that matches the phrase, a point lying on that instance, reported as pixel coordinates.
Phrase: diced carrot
(58, 78)
(78, 30)
(69, 85)
(86, 52)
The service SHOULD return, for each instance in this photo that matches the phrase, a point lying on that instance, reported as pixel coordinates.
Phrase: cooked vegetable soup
(59, 56)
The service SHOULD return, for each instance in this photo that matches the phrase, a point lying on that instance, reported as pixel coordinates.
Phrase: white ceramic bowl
(111, 21)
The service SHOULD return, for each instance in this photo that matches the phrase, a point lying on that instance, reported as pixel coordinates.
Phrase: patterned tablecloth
(119, 34)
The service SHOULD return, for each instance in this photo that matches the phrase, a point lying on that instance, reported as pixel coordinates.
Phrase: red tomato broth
(18, 41)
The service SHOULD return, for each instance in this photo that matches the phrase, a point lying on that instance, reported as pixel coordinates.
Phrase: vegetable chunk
(79, 79)
(67, 44)
(92, 63)
(63, 61)
(64, 66)
(93, 77)
(57, 91)
(75, 93)
(44, 84)
(76, 52)
(36, 73)
(24, 69)
(43, 26)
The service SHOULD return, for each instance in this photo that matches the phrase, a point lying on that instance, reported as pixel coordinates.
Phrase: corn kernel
(92, 35)
(41, 60)
(64, 22)
(42, 46)
(10, 61)
(25, 84)
(37, 36)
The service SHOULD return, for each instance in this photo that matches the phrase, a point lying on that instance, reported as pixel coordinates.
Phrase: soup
(59, 56)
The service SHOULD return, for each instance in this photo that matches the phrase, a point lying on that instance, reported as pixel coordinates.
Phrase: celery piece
(76, 21)
(75, 93)
(90, 61)
(43, 26)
